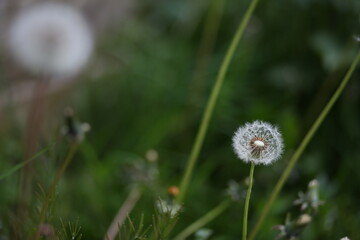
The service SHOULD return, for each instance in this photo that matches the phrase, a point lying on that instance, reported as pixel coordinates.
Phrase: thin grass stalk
(207, 43)
(208, 217)
(247, 201)
(295, 157)
(12, 170)
(51, 192)
(199, 140)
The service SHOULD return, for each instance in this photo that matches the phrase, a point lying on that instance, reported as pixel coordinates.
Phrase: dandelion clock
(51, 39)
(256, 143)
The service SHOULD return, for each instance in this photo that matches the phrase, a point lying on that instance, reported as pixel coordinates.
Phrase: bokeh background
(146, 86)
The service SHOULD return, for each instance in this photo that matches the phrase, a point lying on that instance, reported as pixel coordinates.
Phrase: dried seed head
(258, 142)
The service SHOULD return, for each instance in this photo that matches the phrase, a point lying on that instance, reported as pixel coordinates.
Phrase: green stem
(203, 220)
(212, 101)
(247, 201)
(208, 39)
(303, 145)
(12, 170)
(53, 185)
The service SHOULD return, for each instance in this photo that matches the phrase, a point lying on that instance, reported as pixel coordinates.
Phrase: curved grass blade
(15, 168)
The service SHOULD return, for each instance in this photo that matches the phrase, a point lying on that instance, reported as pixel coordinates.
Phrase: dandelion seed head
(51, 38)
(258, 142)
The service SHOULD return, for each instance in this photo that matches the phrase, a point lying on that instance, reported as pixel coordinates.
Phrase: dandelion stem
(212, 101)
(297, 154)
(247, 201)
(35, 119)
(208, 217)
(123, 212)
(53, 185)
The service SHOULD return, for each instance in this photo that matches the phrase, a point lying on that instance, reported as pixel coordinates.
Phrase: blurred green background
(146, 87)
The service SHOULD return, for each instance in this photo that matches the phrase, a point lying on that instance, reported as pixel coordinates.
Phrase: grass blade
(12, 170)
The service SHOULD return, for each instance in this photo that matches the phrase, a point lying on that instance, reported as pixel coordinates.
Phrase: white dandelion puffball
(51, 38)
(258, 142)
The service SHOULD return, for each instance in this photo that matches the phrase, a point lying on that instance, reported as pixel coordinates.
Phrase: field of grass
(144, 92)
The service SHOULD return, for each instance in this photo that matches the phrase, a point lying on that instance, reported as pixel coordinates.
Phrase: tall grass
(299, 151)
(209, 109)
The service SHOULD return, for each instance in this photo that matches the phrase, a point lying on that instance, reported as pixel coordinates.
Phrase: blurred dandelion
(74, 129)
(258, 142)
(310, 200)
(293, 228)
(51, 39)
(169, 208)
